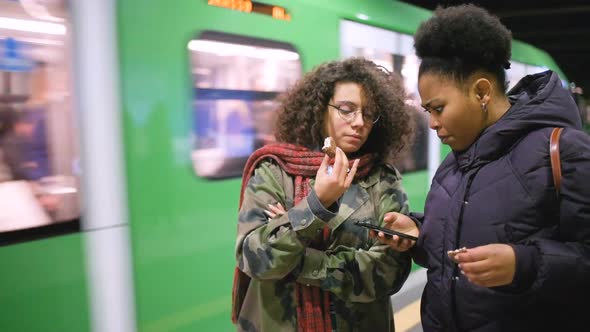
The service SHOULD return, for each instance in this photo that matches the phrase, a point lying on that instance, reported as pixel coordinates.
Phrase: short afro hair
(458, 41)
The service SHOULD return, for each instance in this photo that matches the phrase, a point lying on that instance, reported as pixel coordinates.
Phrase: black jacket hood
(538, 101)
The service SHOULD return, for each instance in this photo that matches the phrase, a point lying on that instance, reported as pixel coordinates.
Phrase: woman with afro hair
(506, 249)
(302, 262)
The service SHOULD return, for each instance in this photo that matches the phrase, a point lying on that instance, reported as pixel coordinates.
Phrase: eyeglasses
(349, 115)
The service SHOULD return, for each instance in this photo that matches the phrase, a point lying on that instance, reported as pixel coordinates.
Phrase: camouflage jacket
(359, 272)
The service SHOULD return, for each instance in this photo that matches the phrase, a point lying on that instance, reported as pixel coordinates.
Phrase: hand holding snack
(489, 265)
(453, 253)
(330, 186)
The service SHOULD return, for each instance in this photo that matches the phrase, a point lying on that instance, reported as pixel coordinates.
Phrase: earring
(484, 107)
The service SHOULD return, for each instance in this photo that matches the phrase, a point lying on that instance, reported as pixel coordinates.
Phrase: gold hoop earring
(484, 107)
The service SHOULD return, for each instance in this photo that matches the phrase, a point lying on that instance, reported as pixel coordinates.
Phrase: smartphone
(385, 231)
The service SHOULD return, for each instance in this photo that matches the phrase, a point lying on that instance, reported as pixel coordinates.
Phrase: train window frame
(228, 114)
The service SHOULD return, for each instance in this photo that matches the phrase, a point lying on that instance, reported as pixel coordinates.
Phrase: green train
(137, 119)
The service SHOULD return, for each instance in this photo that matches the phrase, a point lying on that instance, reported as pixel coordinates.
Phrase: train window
(39, 191)
(515, 73)
(394, 51)
(532, 69)
(519, 70)
(235, 81)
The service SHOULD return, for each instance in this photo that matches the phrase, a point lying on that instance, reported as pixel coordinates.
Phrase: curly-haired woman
(505, 250)
(303, 264)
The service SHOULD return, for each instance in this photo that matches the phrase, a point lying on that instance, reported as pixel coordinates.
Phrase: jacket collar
(537, 101)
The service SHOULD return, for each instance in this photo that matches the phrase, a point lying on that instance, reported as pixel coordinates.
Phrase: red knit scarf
(313, 304)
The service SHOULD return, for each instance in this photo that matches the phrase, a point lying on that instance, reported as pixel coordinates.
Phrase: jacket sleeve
(362, 275)
(563, 267)
(272, 248)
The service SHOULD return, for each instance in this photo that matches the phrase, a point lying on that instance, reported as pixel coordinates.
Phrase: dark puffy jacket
(500, 190)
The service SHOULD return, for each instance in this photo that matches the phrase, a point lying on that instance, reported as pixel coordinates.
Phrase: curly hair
(301, 111)
(458, 41)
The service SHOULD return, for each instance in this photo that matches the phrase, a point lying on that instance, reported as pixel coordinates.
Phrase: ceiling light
(32, 26)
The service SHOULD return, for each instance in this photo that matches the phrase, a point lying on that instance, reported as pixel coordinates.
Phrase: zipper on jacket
(455, 275)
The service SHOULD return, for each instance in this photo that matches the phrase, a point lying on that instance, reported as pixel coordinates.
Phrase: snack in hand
(329, 147)
(456, 251)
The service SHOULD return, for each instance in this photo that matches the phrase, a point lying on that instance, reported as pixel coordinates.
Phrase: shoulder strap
(555, 159)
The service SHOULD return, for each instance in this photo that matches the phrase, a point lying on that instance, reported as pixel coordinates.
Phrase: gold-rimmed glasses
(349, 115)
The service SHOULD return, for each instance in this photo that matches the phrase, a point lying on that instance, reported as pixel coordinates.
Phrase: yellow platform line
(407, 317)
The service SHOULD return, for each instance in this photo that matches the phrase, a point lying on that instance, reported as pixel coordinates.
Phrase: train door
(43, 282)
(62, 225)
(38, 181)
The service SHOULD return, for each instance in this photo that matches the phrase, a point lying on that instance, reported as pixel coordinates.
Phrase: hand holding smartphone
(386, 231)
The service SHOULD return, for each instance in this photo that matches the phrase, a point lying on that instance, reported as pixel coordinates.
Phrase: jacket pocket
(504, 233)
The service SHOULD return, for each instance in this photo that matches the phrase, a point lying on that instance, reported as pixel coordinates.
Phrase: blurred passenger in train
(26, 142)
(26, 145)
(526, 266)
(303, 265)
(5, 125)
